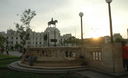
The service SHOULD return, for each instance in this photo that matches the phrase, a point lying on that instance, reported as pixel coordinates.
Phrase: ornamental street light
(81, 15)
(110, 19)
(111, 32)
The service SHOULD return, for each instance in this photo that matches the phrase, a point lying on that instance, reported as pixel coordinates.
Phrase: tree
(18, 47)
(72, 40)
(118, 39)
(2, 41)
(24, 28)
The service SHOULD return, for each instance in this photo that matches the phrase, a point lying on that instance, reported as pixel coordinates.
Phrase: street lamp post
(127, 33)
(81, 15)
(111, 32)
(110, 19)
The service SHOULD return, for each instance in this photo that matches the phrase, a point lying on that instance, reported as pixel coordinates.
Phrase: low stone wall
(54, 56)
(107, 57)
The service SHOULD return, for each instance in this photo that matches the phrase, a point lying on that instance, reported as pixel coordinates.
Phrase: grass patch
(5, 60)
(7, 56)
(14, 74)
(4, 63)
(5, 73)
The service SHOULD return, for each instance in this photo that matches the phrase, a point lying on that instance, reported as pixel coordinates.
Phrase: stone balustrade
(107, 57)
(61, 56)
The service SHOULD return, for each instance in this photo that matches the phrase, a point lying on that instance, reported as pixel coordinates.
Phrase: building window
(40, 42)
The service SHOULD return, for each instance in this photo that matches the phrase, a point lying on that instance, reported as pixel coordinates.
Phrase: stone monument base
(18, 66)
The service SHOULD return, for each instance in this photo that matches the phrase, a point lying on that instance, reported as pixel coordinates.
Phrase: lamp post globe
(108, 1)
(110, 19)
(81, 14)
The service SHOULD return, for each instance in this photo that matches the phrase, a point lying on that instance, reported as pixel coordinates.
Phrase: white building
(50, 37)
(13, 39)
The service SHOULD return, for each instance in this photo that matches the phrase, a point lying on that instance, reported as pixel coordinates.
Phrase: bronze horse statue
(52, 22)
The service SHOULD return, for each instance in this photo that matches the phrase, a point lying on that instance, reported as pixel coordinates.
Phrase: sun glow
(95, 36)
(96, 33)
(94, 25)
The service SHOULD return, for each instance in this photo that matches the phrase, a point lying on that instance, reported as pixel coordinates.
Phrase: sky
(95, 19)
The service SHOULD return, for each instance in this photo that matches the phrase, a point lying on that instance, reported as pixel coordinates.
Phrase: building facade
(50, 37)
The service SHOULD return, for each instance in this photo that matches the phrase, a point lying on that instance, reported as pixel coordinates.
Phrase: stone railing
(60, 55)
(107, 57)
(94, 53)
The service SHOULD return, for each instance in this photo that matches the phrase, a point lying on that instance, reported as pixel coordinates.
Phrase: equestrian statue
(52, 22)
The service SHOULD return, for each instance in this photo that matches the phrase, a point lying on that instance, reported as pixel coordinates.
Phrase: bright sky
(95, 19)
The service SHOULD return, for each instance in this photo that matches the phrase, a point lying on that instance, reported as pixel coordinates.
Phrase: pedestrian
(125, 56)
(7, 50)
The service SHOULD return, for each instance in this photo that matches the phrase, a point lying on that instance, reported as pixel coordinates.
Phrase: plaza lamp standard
(81, 15)
(111, 32)
(110, 19)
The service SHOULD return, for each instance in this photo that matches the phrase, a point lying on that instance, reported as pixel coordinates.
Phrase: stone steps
(26, 68)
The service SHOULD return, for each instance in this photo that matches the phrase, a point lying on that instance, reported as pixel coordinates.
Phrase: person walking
(125, 56)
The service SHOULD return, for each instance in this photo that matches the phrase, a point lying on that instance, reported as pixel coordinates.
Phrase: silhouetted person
(7, 50)
(125, 56)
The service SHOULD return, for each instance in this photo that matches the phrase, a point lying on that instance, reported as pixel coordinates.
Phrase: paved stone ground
(92, 74)
(86, 73)
(83, 73)
(96, 74)
(16, 66)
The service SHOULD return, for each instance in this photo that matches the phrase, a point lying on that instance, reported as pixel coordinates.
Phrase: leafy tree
(18, 47)
(72, 40)
(24, 28)
(118, 39)
(2, 41)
